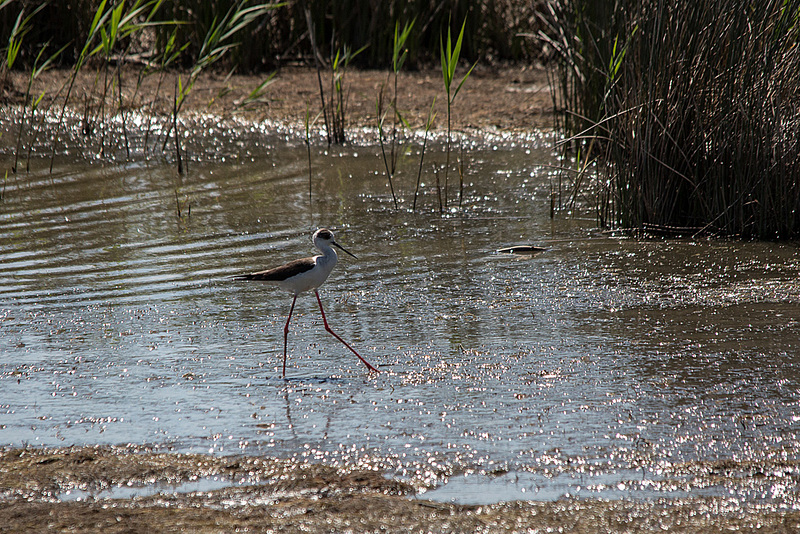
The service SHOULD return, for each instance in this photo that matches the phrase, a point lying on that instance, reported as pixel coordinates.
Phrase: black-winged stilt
(302, 275)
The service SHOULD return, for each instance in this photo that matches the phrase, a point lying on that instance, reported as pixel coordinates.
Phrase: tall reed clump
(694, 106)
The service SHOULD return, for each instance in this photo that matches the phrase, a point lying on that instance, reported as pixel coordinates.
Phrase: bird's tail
(263, 277)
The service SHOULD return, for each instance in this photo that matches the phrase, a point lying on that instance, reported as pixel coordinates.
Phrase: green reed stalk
(175, 106)
(22, 25)
(108, 39)
(316, 53)
(449, 55)
(428, 125)
(338, 101)
(258, 92)
(380, 113)
(308, 122)
(399, 54)
(169, 55)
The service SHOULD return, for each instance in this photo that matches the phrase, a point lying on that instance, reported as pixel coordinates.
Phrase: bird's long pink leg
(286, 334)
(328, 328)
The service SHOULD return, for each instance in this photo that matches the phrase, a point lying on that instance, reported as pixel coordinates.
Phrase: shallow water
(603, 366)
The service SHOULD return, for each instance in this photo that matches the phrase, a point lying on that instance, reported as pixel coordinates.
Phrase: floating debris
(521, 249)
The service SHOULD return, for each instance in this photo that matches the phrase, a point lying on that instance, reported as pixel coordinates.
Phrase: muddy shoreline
(271, 494)
(501, 97)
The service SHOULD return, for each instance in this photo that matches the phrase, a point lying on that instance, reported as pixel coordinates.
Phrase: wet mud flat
(37, 488)
(505, 97)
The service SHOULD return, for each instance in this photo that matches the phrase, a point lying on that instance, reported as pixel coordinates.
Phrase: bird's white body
(312, 278)
(304, 274)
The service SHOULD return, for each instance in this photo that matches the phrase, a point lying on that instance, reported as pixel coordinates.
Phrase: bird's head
(324, 237)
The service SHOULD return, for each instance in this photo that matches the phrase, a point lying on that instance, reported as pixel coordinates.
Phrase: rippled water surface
(603, 366)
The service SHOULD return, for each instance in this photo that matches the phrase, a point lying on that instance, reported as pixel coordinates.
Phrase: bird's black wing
(293, 268)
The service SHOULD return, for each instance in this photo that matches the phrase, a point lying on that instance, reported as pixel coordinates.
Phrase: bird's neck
(328, 254)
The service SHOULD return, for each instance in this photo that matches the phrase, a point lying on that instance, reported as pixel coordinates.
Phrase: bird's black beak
(337, 245)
